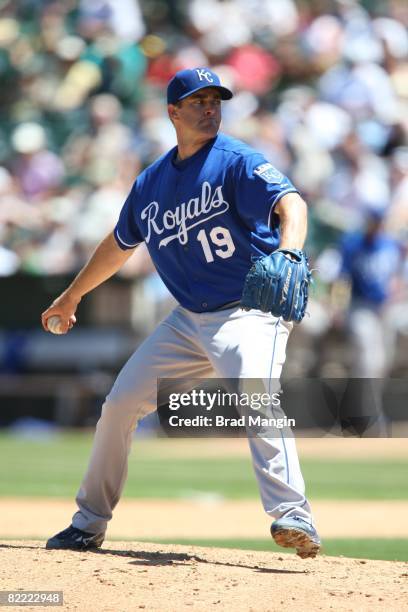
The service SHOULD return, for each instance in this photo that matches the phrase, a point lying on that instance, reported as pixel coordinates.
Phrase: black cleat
(75, 539)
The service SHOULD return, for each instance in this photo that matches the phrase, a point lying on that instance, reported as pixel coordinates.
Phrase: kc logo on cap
(186, 82)
(204, 74)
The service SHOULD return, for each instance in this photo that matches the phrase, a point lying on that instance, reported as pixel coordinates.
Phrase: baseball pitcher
(225, 230)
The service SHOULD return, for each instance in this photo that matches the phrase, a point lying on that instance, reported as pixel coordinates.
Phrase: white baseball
(54, 324)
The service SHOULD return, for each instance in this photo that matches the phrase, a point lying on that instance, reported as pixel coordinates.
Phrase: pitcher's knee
(117, 409)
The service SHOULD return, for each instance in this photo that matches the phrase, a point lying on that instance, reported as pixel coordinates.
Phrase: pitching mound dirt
(128, 576)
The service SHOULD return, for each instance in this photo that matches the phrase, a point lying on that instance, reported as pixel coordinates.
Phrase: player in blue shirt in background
(371, 262)
(369, 276)
(205, 210)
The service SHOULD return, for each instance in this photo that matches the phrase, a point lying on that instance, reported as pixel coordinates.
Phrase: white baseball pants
(230, 343)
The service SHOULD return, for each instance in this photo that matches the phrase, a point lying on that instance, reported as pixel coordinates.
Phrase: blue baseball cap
(186, 82)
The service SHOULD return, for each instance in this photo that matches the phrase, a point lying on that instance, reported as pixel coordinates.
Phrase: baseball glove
(278, 283)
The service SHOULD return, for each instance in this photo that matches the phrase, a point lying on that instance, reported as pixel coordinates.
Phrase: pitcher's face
(198, 114)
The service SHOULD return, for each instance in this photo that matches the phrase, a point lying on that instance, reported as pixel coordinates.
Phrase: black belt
(227, 306)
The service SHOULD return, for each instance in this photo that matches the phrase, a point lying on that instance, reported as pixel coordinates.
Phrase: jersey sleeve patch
(268, 173)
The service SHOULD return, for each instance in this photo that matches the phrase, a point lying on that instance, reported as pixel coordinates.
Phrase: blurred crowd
(321, 88)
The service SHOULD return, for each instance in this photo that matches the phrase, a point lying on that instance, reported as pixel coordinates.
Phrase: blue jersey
(371, 265)
(204, 219)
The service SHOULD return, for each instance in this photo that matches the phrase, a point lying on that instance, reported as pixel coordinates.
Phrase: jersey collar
(184, 163)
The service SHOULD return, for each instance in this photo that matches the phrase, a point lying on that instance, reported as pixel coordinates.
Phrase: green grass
(55, 468)
(385, 549)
